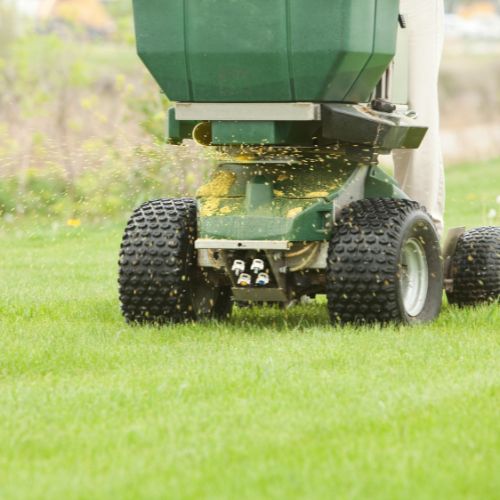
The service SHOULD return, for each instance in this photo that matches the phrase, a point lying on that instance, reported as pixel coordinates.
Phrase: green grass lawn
(268, 405)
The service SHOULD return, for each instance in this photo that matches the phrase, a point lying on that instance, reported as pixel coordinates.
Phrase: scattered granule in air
(219, 186)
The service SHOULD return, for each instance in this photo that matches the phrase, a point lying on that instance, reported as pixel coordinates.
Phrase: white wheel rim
(414, 277)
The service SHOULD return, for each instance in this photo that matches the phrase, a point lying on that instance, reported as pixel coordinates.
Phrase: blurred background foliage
(82, 123)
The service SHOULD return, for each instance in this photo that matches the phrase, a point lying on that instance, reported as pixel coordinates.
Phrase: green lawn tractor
(299, 98)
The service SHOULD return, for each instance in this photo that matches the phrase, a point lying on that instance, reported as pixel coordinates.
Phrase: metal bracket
(449, 248)
(260, 294)
(277, 263)
(353, 189)
(271, 111)
(202, 244)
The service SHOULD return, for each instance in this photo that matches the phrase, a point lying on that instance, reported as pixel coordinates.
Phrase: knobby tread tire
(475, 268)
(157, 267)
(363, 262)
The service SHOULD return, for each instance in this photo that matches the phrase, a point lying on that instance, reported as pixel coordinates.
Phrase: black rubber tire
(364, 263)
(475, 268)
(159, 281)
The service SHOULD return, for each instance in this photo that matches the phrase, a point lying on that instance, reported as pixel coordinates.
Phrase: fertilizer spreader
(300, 98)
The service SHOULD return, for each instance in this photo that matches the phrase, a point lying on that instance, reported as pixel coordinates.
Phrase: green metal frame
(339, 123)
(280, 201)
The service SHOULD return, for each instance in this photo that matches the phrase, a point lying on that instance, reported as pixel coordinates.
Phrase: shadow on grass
(313, 318)
(251, 321)
(301, 317)
(272, 320)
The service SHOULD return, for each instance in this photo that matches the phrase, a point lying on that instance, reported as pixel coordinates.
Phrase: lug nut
(244, 280)
(257, 266)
